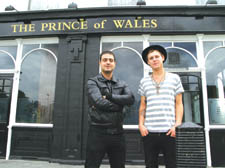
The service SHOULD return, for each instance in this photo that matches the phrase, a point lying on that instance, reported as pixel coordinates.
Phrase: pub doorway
(5, 101)
(192, 97)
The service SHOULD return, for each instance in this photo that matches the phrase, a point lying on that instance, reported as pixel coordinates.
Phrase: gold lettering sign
(82, 24)
(59, 26)
(23, 28)
(134, 24)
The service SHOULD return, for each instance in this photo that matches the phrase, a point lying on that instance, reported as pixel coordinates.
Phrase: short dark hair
(107, 52)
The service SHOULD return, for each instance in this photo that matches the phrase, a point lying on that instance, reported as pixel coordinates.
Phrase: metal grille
(190, 146)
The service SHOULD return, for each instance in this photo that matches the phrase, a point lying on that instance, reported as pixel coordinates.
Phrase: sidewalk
(45, 164)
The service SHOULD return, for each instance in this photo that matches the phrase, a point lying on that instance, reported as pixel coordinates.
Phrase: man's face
(107, 63)
(155, 59)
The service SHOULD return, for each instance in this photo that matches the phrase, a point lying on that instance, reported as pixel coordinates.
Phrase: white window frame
(146, 39)
(215, 38)
(15, 86)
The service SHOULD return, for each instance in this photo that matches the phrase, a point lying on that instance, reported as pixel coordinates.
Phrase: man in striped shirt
(161, 109)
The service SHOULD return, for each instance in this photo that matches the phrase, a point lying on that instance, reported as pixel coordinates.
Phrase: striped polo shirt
(160, 109)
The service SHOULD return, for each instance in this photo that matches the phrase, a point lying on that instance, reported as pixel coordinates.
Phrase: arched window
(7, 60)
(179, 54)
(37, 87)
(215, 76)
(179, 58)
(129, 67)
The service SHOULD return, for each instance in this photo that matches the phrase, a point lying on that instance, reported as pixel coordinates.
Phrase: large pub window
(8, 52)
(129, 68)
(215, 76)
(182, 56)
(7, 56)
(37, 84)
(192, 97)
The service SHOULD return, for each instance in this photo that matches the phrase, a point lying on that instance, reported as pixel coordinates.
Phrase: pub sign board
(168, 24)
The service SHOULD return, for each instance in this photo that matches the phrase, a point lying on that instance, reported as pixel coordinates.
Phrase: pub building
(46, 57)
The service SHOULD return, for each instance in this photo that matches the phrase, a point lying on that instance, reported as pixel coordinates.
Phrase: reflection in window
(29, 47)
(191, 98)
(5, 93)
(10, 49)
(110, 46)
(132, 74)
(189, 46)
(215, 76)
(51, 47)
(128, 54)
(6, 61)
(134, 45)
(180, 54)
(36, 88)
(177, 58)
(209, 45)
(164, 44)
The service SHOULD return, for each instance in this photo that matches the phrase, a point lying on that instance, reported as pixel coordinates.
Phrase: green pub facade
(47, 57)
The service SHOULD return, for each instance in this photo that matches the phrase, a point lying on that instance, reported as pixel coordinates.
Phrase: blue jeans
(101, 142)
(154, 143)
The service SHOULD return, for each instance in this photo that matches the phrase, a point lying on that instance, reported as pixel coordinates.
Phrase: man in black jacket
(106, 97)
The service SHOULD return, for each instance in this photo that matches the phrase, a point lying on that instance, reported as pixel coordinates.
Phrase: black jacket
(106, 101)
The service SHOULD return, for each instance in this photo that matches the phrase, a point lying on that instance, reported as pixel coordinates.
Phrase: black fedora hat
(159, 48)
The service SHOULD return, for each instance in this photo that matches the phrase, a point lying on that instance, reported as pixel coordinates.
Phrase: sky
(22, 5)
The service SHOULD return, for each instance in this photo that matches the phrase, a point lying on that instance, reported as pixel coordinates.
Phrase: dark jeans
(154, 143)
(101, 142)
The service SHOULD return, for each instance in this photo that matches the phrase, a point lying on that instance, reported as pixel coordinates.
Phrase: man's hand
(143, 130)
(106, 94)
(172, 132)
